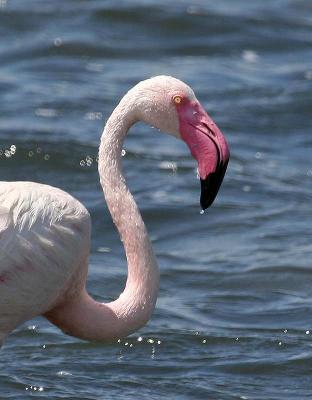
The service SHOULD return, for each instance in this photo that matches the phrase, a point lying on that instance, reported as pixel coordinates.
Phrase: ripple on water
(232, 320)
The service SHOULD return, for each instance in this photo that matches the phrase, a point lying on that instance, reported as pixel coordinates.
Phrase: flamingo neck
(136, 303)
(83, 316)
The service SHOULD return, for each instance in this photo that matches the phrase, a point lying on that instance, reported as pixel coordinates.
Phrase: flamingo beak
(207, 145)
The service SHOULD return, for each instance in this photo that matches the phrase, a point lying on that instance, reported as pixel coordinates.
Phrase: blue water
(233, 319)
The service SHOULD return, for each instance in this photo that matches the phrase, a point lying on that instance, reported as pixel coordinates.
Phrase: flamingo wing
(5, 219)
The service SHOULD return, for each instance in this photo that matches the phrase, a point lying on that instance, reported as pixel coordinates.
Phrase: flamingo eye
(177, 99)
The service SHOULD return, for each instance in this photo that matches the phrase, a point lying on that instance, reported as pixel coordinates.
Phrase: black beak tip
(207, 195)
(211, 185)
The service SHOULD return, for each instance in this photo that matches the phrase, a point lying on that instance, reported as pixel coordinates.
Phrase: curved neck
(136, 303)
(82, 316)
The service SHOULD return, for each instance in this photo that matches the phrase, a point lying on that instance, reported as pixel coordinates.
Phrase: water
(233, 319)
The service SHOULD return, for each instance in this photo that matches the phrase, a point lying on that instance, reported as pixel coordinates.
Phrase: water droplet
(307, 332)
(258, 155)
(201, 212)
(46, 157)
(32, 327)
(58, 42)
(279, 343)
(30, 153)
(140, 339)
(204, 341)
(158, 341)
(39, 150)
(285, 330)
(82, 163)
(123, 152)
(13, 148)
(44, 346)
(150, 341)
(7, 153)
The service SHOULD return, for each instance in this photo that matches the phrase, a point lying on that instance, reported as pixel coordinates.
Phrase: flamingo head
(171, 106)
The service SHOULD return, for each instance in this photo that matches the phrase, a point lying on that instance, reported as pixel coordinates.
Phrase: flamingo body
(45, 235)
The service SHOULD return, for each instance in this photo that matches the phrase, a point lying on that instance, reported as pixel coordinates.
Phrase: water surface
(233, 318)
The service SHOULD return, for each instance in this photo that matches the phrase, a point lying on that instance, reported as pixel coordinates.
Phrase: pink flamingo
(45, 232)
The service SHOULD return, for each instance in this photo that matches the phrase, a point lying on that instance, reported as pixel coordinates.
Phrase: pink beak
(207, 145)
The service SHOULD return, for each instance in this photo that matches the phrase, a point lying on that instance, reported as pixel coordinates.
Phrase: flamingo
(45, 232)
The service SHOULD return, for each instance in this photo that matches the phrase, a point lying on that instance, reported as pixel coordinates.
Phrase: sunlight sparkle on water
(250, 56)
(104, 249)
(168, 165)
(46, 112)
(87, 162)
(63, 373)
(91, 116)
